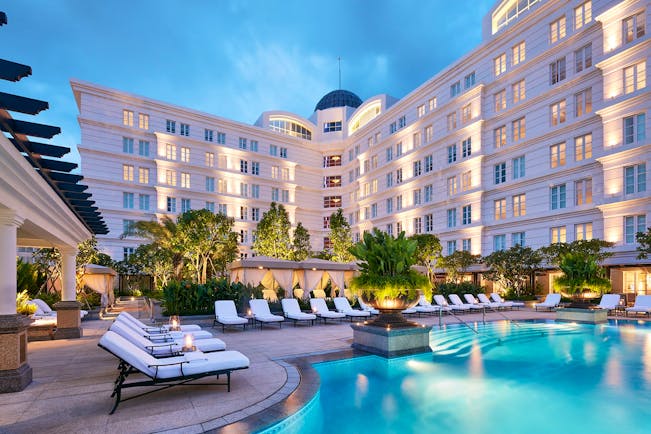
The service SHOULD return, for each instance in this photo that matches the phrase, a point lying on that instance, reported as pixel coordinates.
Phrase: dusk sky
(234, 59)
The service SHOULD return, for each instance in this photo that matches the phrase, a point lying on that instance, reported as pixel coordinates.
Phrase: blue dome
(338, 98)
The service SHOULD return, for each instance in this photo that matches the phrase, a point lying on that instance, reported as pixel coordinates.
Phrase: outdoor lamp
(175, 323)
(188, 345)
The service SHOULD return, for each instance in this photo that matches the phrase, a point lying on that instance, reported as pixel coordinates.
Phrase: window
(451, 121)
(255, 191)
(418, 225)
(582, 15)
(127, 145)
(452, 153)
(143, 202)
(221, 139)
(420, 111)
(428, 163)
(500, 209)
(633, 27)
(254, 145)
(143, 121)
(242, 143)
(499, 243)
(390, 179)
(389, 151)
(210, 206)
(222, 208)
(389, 205)
(500, 173)
(499, 100)
(451, 246)
(332, 181)
(275, 172)
(332, 161)
(499, 136)
(285, 174)
(275, 193)
(185, 205)
(244, 166)
(273, 151)
(185, 154)
(583, 102)
(171, 204)
(128, 227)
(127, 172)
(402, 121)
(331, 126)
(634, 129)
(417, 196)
(583, 147)
(127, 118)
(583, 192)
(632, 225)
(143, 175)
(519, 205)
(429, 222)
(255, 168)
(222, 186)
(557, 155)
(210, 159)
(557, 113)
(417, 168)
(466, 113)
(466, 148)
(170, 151)
(398, 202)
(635, 77)
(393, 128)
(466, 215)
(518, 53)
(557, 196)
(518, 239)
(127, 200)
(244, 213)
(429, 133)
(332, 201)
(469, 80)
(518, 167)
(432, 103)
(127, 251)
(398, 149)
(583, 231)
(557, 71)
(170, 126)
(210, 184)
(207, 136)
(143, 148)
(466, 180)
(455, 89)
(185, 180)
(558, 235)
(635, 179)
(283, 152)
(557, 30)
(185, 130)
(170, 177)
(519, 130)
(499, 64)
(398, 229)
(452, 185)
(466, 244)
(519, 92)
(374, 210)
(399, 176)
(583, 58)
(416, 142)
(452, 217)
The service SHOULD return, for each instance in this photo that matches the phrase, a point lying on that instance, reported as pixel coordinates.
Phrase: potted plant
(580, 271)
(386, 280)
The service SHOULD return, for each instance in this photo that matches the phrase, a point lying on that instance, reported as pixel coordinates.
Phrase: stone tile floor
(73, 380)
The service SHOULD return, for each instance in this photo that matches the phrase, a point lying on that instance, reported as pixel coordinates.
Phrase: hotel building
(537, 136)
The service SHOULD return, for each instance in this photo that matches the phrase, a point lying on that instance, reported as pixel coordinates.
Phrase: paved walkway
(73, 380)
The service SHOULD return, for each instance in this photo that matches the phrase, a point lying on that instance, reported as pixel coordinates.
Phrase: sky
(231, 58)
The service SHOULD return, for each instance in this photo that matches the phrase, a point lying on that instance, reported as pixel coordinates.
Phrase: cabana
(273, 273)
(100, 279)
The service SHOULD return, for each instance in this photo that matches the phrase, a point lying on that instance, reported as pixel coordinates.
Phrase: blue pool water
(541, 377)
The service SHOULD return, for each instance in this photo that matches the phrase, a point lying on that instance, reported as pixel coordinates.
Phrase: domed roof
(338, 98)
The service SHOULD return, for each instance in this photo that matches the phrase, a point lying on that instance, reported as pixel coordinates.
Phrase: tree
(513, 267)
(301, 243)
(48, 263)
(155, 261)
(340, 237)
(457, 263)
(272, 233)
(428, 252)
(644, 240)
(554, 252)
(581, 271)
(163, 235)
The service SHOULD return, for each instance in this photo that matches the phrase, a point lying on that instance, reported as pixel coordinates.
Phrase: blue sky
(234, 59)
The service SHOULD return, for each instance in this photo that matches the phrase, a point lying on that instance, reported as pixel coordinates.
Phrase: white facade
(538, 135)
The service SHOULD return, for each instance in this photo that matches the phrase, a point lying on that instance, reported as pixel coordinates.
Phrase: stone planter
(587, 316)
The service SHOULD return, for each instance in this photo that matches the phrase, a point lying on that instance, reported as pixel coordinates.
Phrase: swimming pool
(533, 377)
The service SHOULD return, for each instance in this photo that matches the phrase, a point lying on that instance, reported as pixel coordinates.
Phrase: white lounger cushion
(495, 296)
(367, 308)
(261, 312)
(155, 336)
(43, 310)
(486, 302)
(320, 308)
(184, 328)
(456, 301)
(425, 306)
(195, 363)
(642, 304)
(225, 313)
(342, 305)
(551, 300)
(609, 301)
(292, 310)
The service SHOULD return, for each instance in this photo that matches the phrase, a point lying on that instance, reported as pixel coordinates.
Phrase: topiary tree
(272, 233)
(512, 268)
(428, 252)
(340, 237)
(300, 243)
(581, 271)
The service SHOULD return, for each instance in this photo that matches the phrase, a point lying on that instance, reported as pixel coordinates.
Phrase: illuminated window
(499, 100)
(210, 159)
(633, 27)
(557, 113)
(185, 154)
(582, 15)
(185, 180)
(518, 53)
(519, 205)
(583, 231)
(635, 77)
(558, 234)
(583, 147)
(583, 192)
(170, 151)
(127, 172)
(557, 30)
(519, 93)
(583, 102)
(499, 136)
(557, 155)
(583, 58)
(127, 118)
(143, 175)
(500, 209)
(143, 121)
(518, 129)
(452, 185)
(499, 65)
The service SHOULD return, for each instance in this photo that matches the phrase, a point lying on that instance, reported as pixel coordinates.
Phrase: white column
(9, 223)
(68, 273)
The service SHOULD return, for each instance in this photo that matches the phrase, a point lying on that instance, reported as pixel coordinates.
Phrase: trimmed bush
(459, 288)
(187, 298)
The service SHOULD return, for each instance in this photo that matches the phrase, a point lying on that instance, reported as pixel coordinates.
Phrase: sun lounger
(609, 301)
(488, 303)
(367, 308)
(425, 306)
(509, 304)
(262, 314)
(164, 348)
(642, 305)
(551, 302)
(226, 315)
(456, 301)
(44, 311)
(441, 301)
(292, 311)
(155, 334)
(470, 299)
(162, 328)
(166, 372)
(343, 305)
(320, 309)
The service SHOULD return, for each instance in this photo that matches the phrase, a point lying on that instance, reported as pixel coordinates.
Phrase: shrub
(459, 288)
(187, 298)
(21, 304)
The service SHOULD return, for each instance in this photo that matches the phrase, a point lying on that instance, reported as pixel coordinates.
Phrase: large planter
(391, 309)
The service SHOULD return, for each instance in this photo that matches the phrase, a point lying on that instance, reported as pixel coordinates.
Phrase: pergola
(310, 274)
(41, 205)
